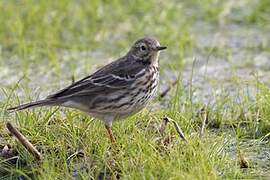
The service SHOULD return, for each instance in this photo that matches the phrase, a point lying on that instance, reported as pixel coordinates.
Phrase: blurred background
(45, 44)
(218, 51)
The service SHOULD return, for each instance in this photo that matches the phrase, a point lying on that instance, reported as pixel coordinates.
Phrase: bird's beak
(159, 48)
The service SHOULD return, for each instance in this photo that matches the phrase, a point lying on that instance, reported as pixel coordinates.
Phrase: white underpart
(108, 120)
(76, 105)
(155, 59)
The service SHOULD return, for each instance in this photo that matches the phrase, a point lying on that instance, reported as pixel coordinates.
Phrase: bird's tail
(45, 102)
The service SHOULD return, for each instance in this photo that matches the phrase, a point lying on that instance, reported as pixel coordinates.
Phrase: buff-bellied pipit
(115, 91)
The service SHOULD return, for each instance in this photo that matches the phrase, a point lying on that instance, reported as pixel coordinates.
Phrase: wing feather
(114, 76)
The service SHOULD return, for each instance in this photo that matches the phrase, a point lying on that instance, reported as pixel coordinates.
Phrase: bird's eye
(143, 47)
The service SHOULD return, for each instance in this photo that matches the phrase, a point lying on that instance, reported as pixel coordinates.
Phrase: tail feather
(45, 102)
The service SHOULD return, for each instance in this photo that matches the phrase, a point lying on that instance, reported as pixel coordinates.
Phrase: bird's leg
(109, 129)
(114, 148)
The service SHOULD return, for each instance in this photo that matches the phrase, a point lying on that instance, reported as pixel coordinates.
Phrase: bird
(116, 91)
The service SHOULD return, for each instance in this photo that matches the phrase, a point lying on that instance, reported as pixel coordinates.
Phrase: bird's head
(146, 50)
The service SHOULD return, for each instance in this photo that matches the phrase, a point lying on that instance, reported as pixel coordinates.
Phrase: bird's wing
(112, 77)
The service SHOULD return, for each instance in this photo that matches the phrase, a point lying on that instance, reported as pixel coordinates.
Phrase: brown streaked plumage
(115, 91)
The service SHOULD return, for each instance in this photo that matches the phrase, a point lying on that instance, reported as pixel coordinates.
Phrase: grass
(44, 44)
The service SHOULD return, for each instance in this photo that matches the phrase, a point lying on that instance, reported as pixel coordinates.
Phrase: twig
(177, 127)
(179, 130)
(165, 92)
(163, 126)
(24, 141)
(79, 153)
(242, 160)
(205, 117)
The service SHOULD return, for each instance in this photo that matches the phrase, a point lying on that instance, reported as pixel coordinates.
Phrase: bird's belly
(140, 98)
(126, 102)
